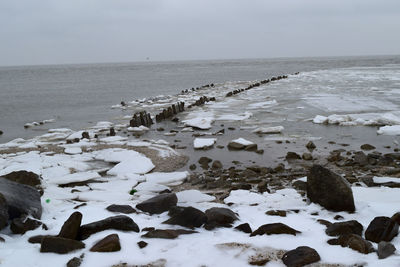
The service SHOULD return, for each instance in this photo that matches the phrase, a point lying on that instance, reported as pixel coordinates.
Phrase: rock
(300, 256)
(187, 217)
(158, 204)
(252, 147)
(329, 190)
(60, 245)
(244, 227)
(275, 229)
(360, 158)
(37, 239)
(216, 164)
(220, 217)
(281, 213)
(1, 132)
(120, 222)
(24, 177)
(21, 199)
(142, 244)
(192, 167)
(21, 226)
(3, 212)
(109, 243)
(292, 156)
(385, 249)
(204, 161)
(74, 262)
(341, 228)
(126, 209)
(71, 226)
(167, 234)
(354, 242)
(310, 145)
(307, 156)
(367, 147)
(381, 229)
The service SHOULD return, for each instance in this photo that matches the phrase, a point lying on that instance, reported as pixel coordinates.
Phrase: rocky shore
(171, 187)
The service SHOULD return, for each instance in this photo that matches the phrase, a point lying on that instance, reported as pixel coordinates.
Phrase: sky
(88, 31)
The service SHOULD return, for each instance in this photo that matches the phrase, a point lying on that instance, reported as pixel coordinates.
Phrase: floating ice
(381, 180)
(242, 141)
(203, 123)
(269, 130)
(73, 150)
(202, 143)
(389, 130)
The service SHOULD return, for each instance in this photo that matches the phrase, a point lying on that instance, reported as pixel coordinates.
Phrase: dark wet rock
(335, 156)
(385, 249)
(109, 243)
(341, 228)
(146, 229)
(263, 187)
(300, 256)
(37, 239)
(281, 213)
(167, 233)
(112, 131)
(24, 177)
(216, 164)
(275, 229)
(252, 147)
(2, 240)
(71, 226)
(74, 262)
(236, 146)
(354, 242)
(381, 229)
(324, 222)
(187, 217)
(244, 227)
(310, 145)
(204, 161)
(126, 209)
(21, 199)
(158, 204)
(395, 156)
(3, 212)
(120, 222)
(192, 167)
(60, 245)
(367, 147)
(1, 132)
(142, 244)
(307, 156)
(21, 226)
(300, 185)
(338, 217)
(220, 217)
(292, 156)
(329, 189)
(360, 158)
(85, 135)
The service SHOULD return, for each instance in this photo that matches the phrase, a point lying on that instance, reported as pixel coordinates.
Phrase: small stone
(292, 156)
(310, 145)
(216, 164)
(385, 249)
(192, 167)
(60, 245)
(167, 234)
(342, 228)
(244, 227)
(367, 147)
(281, 213)
(109, 243)
(126, 209)
(274, 229)
(300, 256)
(21, 226)
(74, 262)
(142, 244)
(307, 156)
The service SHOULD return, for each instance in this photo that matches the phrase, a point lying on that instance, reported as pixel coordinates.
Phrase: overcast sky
(83, 31)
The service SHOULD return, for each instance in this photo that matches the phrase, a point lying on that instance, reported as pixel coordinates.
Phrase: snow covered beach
(252, 171)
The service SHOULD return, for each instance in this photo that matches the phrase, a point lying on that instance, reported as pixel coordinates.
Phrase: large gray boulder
(329, 189)
(3, 212)
(158, 204)
(21, 199)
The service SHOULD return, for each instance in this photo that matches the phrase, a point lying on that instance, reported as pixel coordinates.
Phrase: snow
(73, 150)
(203, 123)
(139, 165)
(202, 143)
(381, 180)
(167, 178)
(242, 141)
(389, 130)
(269, 130)
(244, 197)
(193, 196)
(74, 177)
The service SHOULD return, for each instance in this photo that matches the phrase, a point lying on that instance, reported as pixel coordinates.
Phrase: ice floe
(203, 143)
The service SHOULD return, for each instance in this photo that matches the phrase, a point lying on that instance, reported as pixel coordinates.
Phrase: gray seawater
(77, 96)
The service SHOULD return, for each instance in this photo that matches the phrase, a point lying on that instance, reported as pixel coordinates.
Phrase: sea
(79, 95)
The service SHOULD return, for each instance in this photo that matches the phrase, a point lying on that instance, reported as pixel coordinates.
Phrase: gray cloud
(48, 31)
